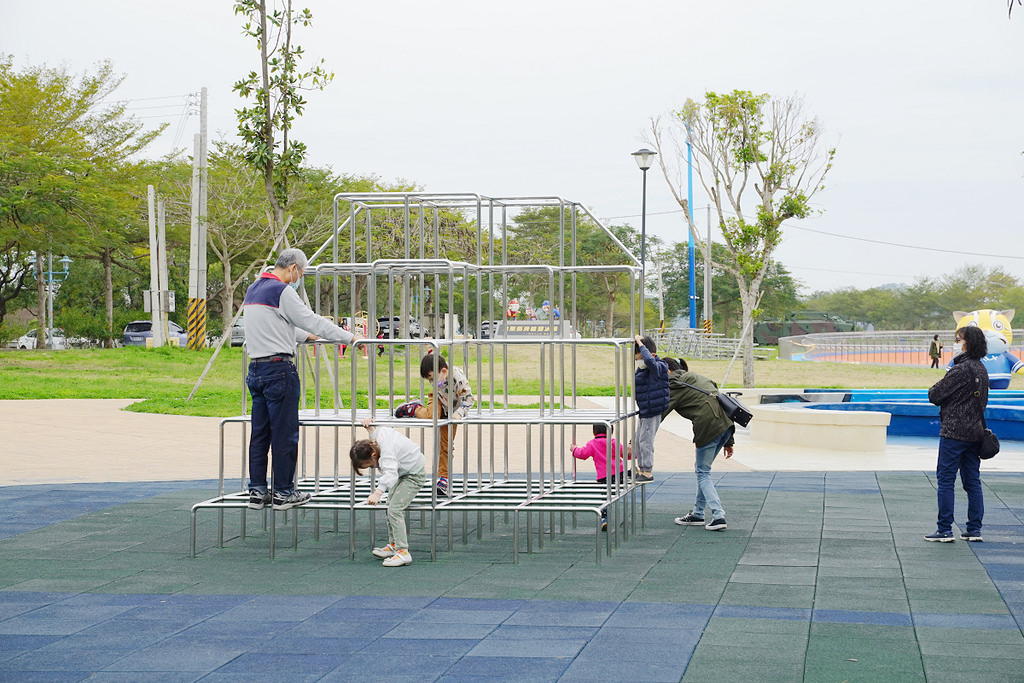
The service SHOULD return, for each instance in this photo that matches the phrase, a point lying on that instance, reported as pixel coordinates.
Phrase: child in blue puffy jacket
(652, 393)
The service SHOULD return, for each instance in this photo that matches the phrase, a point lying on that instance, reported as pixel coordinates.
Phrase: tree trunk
(227, 297)
(747, 300)
(108, 297)
(41, 320)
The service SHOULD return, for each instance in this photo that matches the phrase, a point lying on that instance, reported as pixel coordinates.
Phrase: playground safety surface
(820, 576)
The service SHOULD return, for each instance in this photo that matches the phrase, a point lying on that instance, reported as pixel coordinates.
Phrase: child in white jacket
(401, 465)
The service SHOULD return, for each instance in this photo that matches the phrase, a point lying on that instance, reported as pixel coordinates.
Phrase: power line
(850, 237)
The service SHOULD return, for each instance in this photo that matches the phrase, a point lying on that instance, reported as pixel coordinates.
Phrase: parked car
(238, 332)
(28, 341)
(487, 325)
(385, 324)
(138, 331)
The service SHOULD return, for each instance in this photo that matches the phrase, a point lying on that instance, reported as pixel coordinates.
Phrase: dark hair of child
(672, 364)
(427, 364)
(602, 428)
(361, 454)
(683, 366)
(648, 342)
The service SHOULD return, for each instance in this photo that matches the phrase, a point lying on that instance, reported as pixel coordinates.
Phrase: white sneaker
(400, 558)
(384, 551)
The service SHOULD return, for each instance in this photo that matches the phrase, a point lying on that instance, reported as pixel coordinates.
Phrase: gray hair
(290, 256)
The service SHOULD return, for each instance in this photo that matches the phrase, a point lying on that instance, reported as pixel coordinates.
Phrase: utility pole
(164, 300)
(197, 242)
(154, 273)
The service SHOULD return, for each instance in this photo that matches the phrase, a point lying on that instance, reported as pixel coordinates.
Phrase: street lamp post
(644, 158)
(49, 277)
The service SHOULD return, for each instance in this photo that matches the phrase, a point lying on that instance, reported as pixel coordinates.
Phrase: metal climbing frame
(421, 281)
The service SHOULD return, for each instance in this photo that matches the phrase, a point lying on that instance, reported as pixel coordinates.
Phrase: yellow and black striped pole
(197, 324)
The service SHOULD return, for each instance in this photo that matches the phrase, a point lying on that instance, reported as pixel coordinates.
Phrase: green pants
(399, 499)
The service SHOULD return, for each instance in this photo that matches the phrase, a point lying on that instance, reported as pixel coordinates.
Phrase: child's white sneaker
(385, 551)
(400, 558)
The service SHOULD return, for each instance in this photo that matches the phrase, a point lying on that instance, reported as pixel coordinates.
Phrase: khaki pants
(400, 497)
(427, 413)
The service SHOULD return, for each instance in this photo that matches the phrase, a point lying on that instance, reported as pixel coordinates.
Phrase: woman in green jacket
(712, 432)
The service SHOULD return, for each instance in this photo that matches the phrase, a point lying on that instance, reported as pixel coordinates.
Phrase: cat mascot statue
(996, 325)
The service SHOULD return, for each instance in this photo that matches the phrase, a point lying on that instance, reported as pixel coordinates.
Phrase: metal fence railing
(904, 347)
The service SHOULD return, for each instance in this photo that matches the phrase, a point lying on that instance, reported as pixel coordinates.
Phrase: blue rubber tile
(376, 602)
(277, 608)
(94, 613)
(559, 613)
(659, 615)
(13, 609)
(430, 615)
(136, 633)
(447, 647)
(55, 658)
(283, 667)
(144, 677)
(513, 632)
(650, 671)
(508, 668)
(303, 645)
(341, 629)
(14, 645)
(484, 604)
(365, 614)
(496, 647)
(51, 676)
(411, 630)
(135, 600)
(966, 621)
(25, 624)
(368, 665)
(741, 612)
(631, 645)
(165, 656)
(838, 616)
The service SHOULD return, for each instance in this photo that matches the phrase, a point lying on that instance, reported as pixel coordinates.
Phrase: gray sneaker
(257, 500)
(291, 500)
(974, 537)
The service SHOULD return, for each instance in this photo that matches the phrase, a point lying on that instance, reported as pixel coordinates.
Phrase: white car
(28, 341)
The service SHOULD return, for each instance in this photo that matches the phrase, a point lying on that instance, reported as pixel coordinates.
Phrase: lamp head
(644, 158)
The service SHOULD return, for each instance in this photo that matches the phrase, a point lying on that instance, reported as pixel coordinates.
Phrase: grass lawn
(163, 378)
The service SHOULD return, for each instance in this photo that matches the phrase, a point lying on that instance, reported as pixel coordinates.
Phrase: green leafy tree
(64, 165)
(761, 163)
(276, 95)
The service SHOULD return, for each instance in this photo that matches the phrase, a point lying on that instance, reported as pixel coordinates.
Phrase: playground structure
(389, 249)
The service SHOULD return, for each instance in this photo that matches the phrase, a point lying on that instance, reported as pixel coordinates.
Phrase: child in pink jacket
(597, 448)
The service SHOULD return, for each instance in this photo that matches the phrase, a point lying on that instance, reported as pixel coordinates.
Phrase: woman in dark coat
(961, 395)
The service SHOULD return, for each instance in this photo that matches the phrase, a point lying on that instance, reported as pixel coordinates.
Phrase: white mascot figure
(996, 325)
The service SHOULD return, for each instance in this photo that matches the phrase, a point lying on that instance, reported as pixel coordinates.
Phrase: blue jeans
(274, 388)
(707, 496)
(963, 456)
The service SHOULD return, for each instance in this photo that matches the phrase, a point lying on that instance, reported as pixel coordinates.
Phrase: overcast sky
(924, 102)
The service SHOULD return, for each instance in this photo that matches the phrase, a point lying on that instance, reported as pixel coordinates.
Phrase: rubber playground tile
(546, 647)
(947, 634)
(835, 616)
(737, 627)
(768, 595)
(954, 668)
(585, 669)
(654, 615)
(787, 576)
(372, 664)
(509, 668)
(705, 669)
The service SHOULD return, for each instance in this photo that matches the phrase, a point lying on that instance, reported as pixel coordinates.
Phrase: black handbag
(989, 441)
(733, 409)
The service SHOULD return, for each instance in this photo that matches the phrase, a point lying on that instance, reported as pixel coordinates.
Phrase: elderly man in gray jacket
(276, 320)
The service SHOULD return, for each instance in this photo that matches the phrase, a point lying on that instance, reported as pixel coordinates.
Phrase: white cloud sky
(923, 102)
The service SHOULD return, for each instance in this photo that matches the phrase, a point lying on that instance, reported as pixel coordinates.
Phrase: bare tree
(745, 145)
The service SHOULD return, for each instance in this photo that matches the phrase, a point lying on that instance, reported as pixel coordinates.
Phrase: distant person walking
(961, 395)
(275, 321)
(935, 351)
